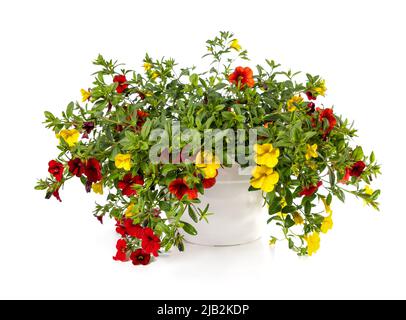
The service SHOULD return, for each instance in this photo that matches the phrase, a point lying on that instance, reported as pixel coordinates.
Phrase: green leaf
(332, 177)
(289, 209)
(192, 214)
(209, 122)
(168, 168)
(308, 135)
(329, 199)
(49, 116)
(189, 228)
(69, 109)
(227, 115)
(372, 157)
(146, 128)
(288, 197)
(164, 206)
(289, 222)
(358, 154)
(308, 207)
(194, 79)
(276, 207)
(219, 107)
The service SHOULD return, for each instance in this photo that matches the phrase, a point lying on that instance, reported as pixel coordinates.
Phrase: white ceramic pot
(238, 214)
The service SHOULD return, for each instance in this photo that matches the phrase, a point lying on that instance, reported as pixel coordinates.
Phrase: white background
(53, 250)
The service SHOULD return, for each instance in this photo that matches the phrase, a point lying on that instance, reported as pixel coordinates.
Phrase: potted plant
(157, 141)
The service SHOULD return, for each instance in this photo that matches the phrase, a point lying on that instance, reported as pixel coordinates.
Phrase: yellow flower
(208, 164)
(283, 205)
(147, 66)
(235, 45)
(283, 202)
(71, 137)
(297, 218)
(321, 88)
(85, 95)
(293, 102)
(326, 206)
(264, 178)
(266, 155)
(97, 187)
(129, 211)
(313, 243)
(154, 75)
(311, 151)
(123, 161)
(327, 224)
(368, 190)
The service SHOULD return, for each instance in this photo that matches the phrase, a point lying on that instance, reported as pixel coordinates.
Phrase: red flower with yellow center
(139, 256)
(242, 76)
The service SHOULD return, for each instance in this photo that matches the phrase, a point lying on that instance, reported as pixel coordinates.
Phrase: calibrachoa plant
(303, 156)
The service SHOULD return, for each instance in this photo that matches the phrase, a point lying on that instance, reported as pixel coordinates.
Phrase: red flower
(346, 176)
(308, 191)
(142, 115)
(310, 96)
(127, 183)
(139, 256)
(121, 254)
(120, 229)
(150, 242)
(311, 106)
(76, 167)
(329, 116)
(129, 229)
(242, 76)
(56, 195)
(88, 126)
(56, 169)
(93, 170)
(357, 168)
(121, 80)
(208, 183)
(179, 188)
(134, 230)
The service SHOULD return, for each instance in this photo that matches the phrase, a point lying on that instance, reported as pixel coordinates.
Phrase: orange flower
(242, 76)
